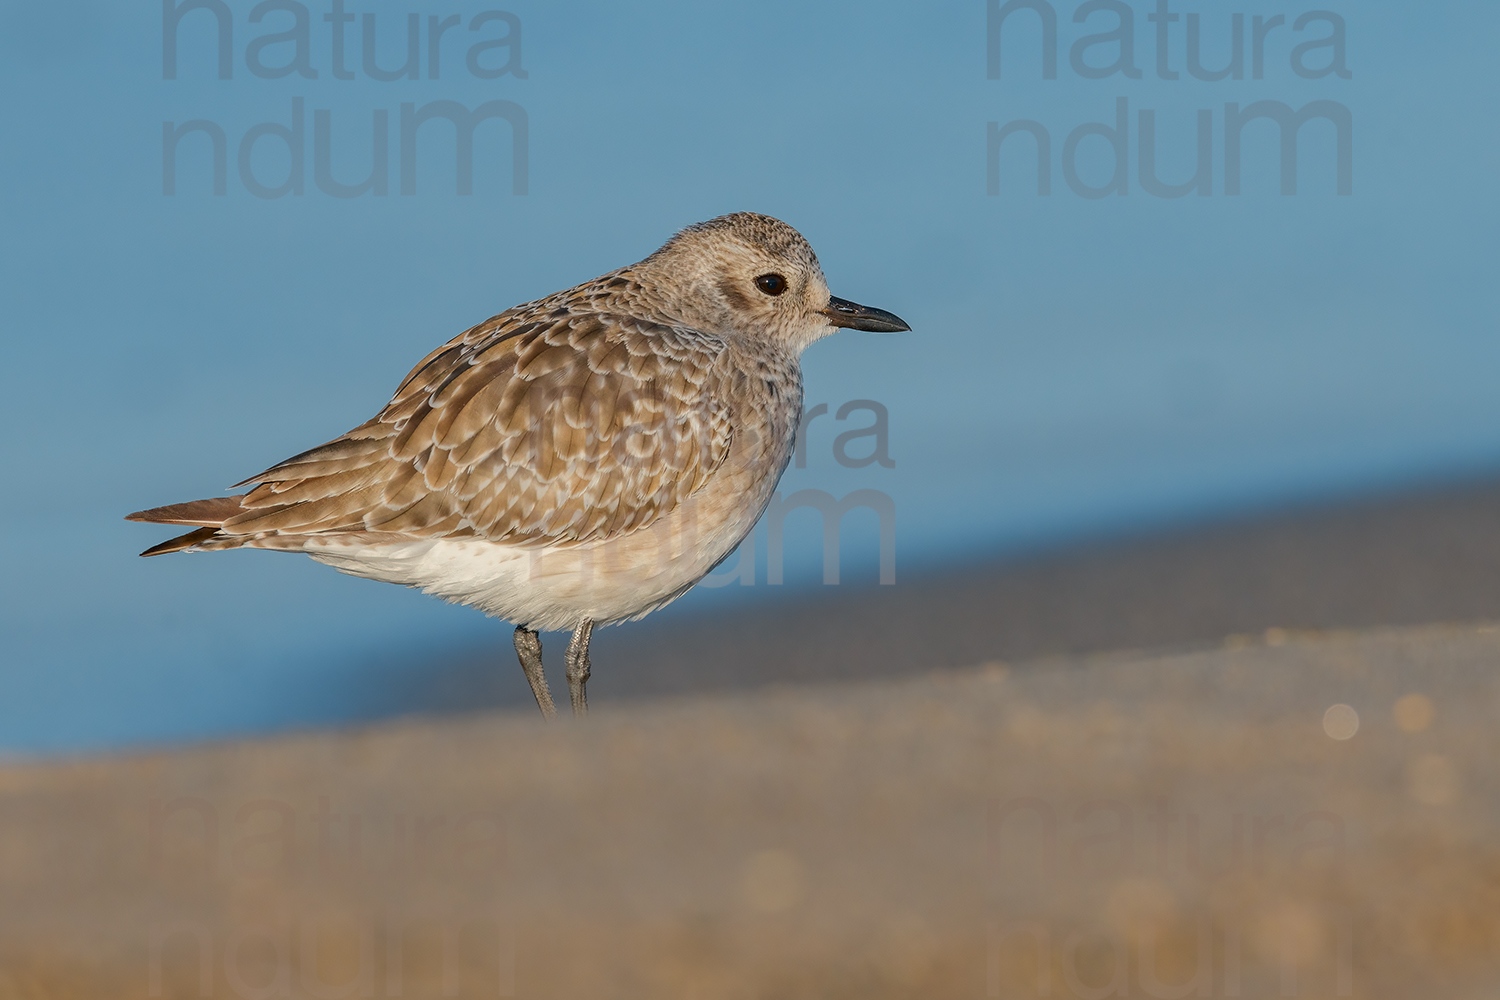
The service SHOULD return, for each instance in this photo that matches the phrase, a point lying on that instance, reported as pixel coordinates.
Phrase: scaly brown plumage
(582, 458)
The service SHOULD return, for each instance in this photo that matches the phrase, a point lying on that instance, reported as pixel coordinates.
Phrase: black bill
(842, 312)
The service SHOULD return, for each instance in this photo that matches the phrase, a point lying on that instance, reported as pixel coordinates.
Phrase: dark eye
(771, 284)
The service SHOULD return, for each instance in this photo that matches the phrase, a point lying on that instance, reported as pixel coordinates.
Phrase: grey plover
(579, 460)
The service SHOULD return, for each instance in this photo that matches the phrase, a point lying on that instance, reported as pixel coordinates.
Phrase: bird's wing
(539, 425)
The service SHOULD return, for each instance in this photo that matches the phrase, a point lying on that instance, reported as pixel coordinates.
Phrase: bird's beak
(842, 312)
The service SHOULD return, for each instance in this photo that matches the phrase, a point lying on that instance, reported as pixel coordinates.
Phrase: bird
(575, 461)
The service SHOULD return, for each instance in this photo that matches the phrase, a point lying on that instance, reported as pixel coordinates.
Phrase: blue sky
(1079, 366)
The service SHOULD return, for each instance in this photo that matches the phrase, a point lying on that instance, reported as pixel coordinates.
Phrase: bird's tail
(207, 517)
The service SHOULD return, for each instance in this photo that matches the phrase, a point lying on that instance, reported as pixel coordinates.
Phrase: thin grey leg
(578, 666)
(529, 649)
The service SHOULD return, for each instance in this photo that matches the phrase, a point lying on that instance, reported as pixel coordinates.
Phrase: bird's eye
(771, 284)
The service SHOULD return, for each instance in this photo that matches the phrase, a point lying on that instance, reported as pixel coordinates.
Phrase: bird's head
(753, 276)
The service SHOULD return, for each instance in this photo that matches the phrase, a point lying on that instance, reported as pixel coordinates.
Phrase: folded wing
(539, 426)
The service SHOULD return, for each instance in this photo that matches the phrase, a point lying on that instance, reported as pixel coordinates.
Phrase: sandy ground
(1202, 824)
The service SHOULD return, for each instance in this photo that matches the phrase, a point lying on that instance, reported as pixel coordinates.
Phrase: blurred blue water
(1078, 366)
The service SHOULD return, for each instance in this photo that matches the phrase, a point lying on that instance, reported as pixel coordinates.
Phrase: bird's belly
(555, 586)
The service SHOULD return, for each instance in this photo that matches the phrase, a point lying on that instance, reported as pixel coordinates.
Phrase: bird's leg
(529, 649)
(578, 666)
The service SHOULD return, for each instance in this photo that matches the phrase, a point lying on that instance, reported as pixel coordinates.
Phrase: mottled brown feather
(542, 424)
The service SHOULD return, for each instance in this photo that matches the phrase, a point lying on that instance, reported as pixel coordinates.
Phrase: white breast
(558, 586)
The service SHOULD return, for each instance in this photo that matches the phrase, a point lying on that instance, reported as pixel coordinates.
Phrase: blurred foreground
(1311, 815)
